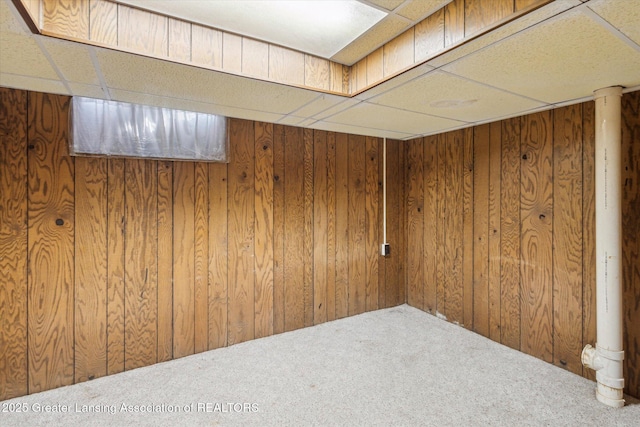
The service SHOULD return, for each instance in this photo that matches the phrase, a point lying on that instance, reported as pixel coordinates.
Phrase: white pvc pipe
(608, 355)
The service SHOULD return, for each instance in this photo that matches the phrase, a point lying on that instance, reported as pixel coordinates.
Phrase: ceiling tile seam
(432, 69)
(417, 112)
(530, 27)
(375, 6)
(47, 55)
(584, 8)
(98, 70)
(361, 127)
(292, 112)
(30, 77)
(424, 16)
(320, 118)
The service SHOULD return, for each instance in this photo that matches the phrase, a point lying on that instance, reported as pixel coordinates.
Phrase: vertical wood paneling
(415, 223)
(263, 229)
(231, 53)
(394, 273)
(218, 255)
(320, 228)
(522, 4)
(103, 22)
(278, 229)
(429, 38)
(286, 65)
(453, 22)
(495, 232)
(567, 237)
(201, 258)
(479, 14)
(375, 66)
(342, 225)
(331, 226)
(467, 230)
(481, 232)
(338, 75)
(430, 218)
(371, 223)
(382, 261)
(90, 269)
(165, 261)
(115, 265)
(357, 230)
(241, 202)
(398, 53)
(255, 58)
(510, 235)
(454, 215)
(588, 230)
(293, 229)
(179, 40)
(142, 31)
(13, 243)
(630, 241)
(308, 228)
(441, 231)
(402, 226)
(206, 47)
(140, 292)
(50, 244)
(316, 72)
(536, 201)
(66, 17)
(183, 259)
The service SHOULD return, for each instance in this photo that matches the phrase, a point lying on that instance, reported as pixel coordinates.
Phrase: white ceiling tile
(348, 102)
(32, 83)
(8, 20)
(419, 9)
(320, 104)
(395, 82)
(72, 59)
(445, 95)
(291, 120)
(561, 59)
(552, 9)
(356, 130)
(157, 77)
(20, 54)
(89, 91)
(391, 119)
(622, 14)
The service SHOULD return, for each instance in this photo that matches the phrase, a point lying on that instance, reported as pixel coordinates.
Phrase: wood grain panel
(588, 230)
(415, 223)
(453, 22)
(357, 230)
(218, 255)
(206, 47)
(401, 240)
(13, 243)
(115, 265)
(308, 228)
(331, 226)
(320, 228)
(481, 232)
(51, 230)
(286, 65)
(339, 77)
(165, 261)
(90, 269)
(495, 232)
(429, 37)
(467, 229)
(567, 237)
(241, 200)
(66, 17)
(479, 14)
(142, 31)
(454, 297)
(371, 223)
(103, 22)
(398, 53)
(630, 242)
(430, 221)
(183, 259)
(382, 260)
(523, 4)
(140, 292)
(359, 75)
(441, 235)
(510, 235)
(263, 229)
(342, 225)
(536, 210)
(179, 40)
(394, 271)
(375, 66)
(278, 229)
(231, 53)
(316, 72)
(255, 58)
(201, 258)
(293, 229)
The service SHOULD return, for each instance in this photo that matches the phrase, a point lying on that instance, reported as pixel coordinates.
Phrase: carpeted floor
(397, 366)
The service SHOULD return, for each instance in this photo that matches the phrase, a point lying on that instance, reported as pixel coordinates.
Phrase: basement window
(110, 128)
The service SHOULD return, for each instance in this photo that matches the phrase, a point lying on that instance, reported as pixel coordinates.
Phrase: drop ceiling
(557, 55)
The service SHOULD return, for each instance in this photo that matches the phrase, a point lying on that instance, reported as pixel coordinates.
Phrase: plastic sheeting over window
(110, 128)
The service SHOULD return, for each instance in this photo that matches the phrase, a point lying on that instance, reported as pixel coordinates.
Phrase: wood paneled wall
(501, 232)
(111, 264)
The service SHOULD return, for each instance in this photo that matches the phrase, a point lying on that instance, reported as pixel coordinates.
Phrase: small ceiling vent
(120, 129)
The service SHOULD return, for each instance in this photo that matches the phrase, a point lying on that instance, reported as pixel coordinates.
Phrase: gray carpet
(398, 366)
